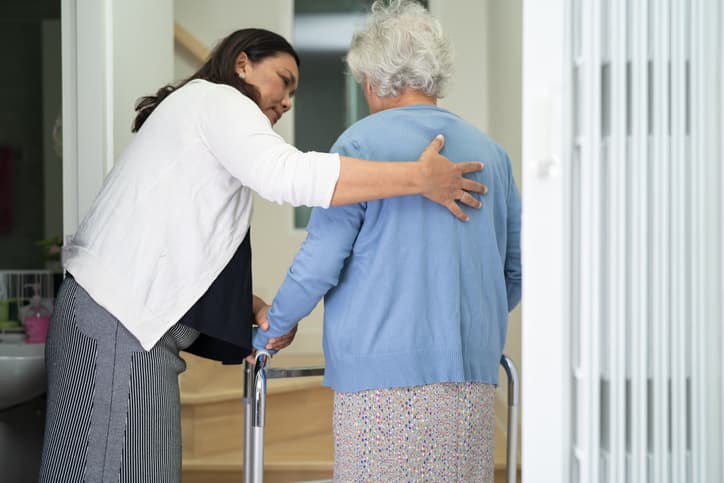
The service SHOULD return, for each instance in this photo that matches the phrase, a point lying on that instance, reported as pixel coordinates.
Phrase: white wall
(212, 20)
(142, 59)
(466, 22)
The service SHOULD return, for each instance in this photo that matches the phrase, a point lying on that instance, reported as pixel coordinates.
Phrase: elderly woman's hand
(260, 309)
(278, 343)
(275, 343)
(454, 187)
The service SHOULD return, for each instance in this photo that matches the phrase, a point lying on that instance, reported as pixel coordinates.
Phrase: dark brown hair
(221, 67)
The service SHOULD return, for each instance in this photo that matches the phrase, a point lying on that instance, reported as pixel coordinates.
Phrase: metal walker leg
(255, 381)
(511, 463)
(255, 413)
(248, 402)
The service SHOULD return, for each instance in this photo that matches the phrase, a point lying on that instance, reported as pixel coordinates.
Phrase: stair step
(212, 408)
(313, 452)
(302, 459)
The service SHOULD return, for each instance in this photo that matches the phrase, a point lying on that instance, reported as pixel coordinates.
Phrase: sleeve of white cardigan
(240, 136)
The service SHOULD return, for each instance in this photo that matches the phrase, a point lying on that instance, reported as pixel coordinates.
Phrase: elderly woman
(416, 304)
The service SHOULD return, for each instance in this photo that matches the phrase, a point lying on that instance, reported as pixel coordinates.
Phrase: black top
(224, 315)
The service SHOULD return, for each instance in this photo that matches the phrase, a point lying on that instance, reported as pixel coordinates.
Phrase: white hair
(401, 47)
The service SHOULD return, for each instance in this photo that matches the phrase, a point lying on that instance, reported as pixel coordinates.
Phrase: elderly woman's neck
(409, 97)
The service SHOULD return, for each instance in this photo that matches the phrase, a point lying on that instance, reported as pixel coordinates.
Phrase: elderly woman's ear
(368, 86)
(373, 101)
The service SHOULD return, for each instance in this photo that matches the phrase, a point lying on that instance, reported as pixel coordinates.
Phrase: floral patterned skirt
(435, 432)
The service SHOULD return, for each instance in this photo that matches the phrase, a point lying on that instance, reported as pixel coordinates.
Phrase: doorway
(30, 136)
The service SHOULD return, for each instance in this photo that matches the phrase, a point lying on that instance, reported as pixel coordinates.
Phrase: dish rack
(16, 290)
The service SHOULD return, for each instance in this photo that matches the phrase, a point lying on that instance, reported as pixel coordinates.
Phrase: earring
(242, 76)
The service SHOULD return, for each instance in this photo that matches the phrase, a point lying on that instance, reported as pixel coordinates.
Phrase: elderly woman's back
(417, 291)
(416, 304)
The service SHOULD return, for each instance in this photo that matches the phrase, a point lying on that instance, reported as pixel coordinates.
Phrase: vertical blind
(645, 213)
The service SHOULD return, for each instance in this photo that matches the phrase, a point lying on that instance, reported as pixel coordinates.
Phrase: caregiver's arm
(433, 176)
(240, 137)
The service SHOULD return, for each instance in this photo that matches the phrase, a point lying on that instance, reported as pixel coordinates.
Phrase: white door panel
(544, 342)
(622, 252)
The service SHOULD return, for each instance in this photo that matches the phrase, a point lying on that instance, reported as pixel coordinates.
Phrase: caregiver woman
(162, 262)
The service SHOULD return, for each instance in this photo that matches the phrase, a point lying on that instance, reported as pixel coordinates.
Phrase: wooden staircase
(298, 443)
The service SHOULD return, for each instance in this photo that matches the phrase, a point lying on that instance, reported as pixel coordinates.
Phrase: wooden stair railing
(190, 43)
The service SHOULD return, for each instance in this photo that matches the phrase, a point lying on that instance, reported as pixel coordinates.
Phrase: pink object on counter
(36, 329)
(37, 318)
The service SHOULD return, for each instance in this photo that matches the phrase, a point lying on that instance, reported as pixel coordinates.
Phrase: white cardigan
(177, 204)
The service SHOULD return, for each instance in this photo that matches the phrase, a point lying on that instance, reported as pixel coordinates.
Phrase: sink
(22, 372)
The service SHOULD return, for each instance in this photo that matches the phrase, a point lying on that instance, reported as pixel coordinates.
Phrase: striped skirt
(435, 432)
(112, 408)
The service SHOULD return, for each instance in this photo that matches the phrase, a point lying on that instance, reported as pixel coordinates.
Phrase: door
(622, 252)
(544, 339)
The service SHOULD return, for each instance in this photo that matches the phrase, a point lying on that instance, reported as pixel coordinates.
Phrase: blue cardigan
(412, 295)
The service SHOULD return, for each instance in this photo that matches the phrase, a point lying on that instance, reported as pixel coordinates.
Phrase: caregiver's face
(275, 78)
